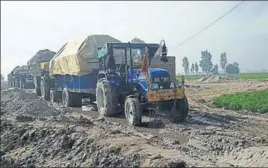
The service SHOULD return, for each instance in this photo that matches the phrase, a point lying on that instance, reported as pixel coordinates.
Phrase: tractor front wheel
(133, 111)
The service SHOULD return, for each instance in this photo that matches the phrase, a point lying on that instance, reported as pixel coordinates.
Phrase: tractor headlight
(154, 86)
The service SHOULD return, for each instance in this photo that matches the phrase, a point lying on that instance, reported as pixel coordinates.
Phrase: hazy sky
(27, 27)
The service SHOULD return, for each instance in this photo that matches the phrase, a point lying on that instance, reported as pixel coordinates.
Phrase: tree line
(207, 66)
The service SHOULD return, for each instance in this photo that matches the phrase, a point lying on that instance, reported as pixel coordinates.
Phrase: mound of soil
(51, 137)
(214, 78)
(26, 105)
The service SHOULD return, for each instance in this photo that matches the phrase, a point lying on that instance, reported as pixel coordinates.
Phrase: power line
(215, 21)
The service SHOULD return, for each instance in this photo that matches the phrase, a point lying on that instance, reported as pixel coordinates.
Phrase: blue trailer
(74, 70)
(71, 89)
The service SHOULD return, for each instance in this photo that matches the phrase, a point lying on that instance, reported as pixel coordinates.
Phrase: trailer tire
(71, 99)
(53, 96)
(181, 112)
(45, 92)
(38, 91)
(66, 98)
(133, 111)
(106, 99)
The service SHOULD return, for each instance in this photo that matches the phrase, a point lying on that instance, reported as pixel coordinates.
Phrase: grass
(251, 75)
(238, 76)
(256, 101)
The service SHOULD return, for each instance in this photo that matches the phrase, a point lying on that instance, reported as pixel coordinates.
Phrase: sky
(27, 27)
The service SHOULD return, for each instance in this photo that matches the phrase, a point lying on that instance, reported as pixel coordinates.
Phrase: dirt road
(38, 133)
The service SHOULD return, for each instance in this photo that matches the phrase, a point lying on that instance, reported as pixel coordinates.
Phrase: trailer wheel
(53, 96)
(66, 98)
(133, 111)
(106, 98)
(181, 111)
(70, 99)
(38, 91)
(20, 84)
(45, 92)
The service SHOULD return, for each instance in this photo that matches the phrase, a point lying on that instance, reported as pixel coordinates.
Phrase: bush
(256, 101)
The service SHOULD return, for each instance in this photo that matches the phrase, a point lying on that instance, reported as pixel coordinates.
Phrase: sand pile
(214, 79)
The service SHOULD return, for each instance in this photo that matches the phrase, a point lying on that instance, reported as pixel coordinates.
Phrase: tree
(233, 68)
(206, 63)
(185, 65)
(223, 61)
(215, 69)
(196, 67)
(2, 78)
(192, 68)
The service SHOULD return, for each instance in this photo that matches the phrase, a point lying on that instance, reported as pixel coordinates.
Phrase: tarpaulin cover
(79, 56)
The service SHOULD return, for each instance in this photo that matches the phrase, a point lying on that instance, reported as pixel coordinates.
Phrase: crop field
(256, 101)
(238, 76)
(251, 75)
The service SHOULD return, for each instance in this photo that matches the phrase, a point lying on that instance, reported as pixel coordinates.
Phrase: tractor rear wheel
(133, 111)
(180, 112)
(106, 99)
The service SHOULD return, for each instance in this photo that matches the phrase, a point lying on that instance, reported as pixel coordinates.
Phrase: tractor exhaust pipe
(164, 52)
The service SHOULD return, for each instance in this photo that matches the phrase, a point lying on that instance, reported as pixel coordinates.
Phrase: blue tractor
(121, 83)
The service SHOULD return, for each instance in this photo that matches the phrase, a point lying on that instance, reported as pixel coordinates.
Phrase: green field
(238, 76)
(256, 101)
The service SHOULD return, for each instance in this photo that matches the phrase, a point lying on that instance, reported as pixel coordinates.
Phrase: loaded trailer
(20, 77)
(74, 70)
(36, 69)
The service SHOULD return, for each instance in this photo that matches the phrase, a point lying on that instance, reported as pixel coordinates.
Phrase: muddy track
(76, 137)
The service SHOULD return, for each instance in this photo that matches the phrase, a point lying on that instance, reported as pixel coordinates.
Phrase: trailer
(20, 77)
(35, 67)
(74, 70)
(11, 78)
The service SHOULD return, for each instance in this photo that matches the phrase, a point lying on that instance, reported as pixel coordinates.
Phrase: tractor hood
(153, 72)
(157, 72)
